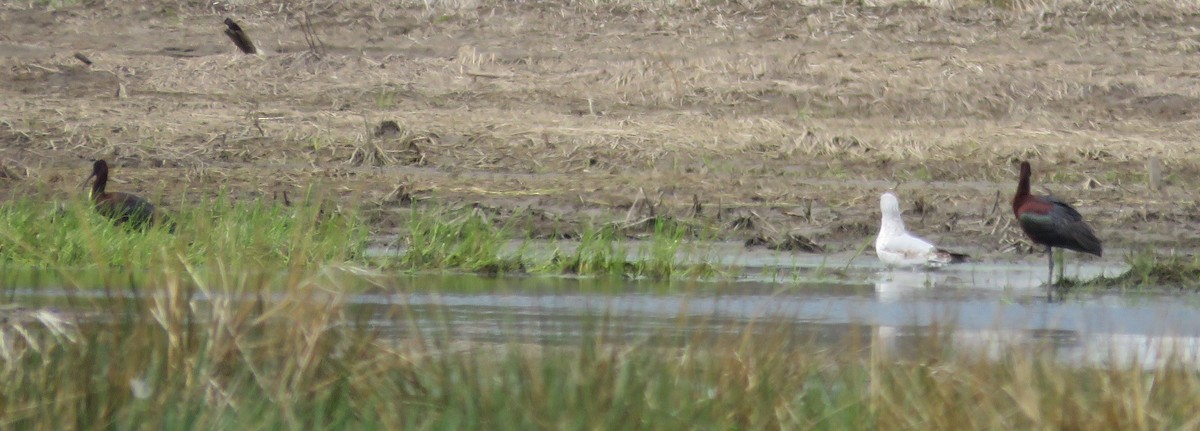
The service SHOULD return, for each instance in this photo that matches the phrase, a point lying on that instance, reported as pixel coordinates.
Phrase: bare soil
(764, 117)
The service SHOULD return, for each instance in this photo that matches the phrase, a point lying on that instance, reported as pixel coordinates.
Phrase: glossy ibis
(1050, 222)
(119, 206)
(896, 247)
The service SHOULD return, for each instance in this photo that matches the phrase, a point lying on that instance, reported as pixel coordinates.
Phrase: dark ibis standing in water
(1050, 222)
(120, 206)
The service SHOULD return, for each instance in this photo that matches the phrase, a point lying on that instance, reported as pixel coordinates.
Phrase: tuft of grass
(466, 241)
(665, 255)
(599, 252)
(602, 252)
(1148, 270)
(385, 99)
(660, 259)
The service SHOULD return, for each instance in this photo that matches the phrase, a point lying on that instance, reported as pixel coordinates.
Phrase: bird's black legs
(1050, 279)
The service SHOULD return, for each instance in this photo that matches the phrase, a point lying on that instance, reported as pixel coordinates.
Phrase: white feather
(896, 247)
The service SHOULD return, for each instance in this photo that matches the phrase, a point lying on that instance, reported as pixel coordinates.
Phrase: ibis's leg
(1061, 258)
(1050, 258)
(1050, 279)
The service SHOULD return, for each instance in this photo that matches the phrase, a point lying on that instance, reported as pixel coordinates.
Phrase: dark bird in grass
(1050, 222)
(121, 207)
(238, 36)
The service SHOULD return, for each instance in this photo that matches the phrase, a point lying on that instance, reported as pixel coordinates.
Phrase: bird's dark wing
(952, 257)
(1057, 224)
(125, 207)
(1063, 209)
(1064, 227)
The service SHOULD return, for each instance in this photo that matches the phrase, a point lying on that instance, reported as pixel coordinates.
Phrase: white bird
(896, 247)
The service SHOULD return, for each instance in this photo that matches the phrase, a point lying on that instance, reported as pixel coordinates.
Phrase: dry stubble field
(786, 115)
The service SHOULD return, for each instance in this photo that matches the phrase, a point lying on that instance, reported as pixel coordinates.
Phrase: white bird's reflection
(897, 285)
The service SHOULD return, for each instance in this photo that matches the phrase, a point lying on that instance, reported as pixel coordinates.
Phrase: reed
(206, 349)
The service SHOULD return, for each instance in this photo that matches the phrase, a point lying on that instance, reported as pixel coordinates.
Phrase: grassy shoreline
(294, 354)
(85, 248)
(255, 236)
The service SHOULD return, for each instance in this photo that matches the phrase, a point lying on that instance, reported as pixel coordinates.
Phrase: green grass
(250, 234)
(54, 4)
(37, 233)
(603, 251)
(385, 99)
(666, 251)
(600, 252)
(659, 258)
(443, 239)
(1148, 271)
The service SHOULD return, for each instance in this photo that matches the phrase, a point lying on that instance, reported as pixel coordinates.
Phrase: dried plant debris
(758, 241)
(742, 223)
(401, 195)
(371, 154)
(7, 172)
(316, 47)
(789, 242)
(387, 129)
(796, 242)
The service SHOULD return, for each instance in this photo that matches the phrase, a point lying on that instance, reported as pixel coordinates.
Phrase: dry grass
(758, 105)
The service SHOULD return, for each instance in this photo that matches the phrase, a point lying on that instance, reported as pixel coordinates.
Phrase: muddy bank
(760, 119)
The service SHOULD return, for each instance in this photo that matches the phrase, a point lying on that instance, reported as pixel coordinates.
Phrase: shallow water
(989, 308)
(827, 299)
